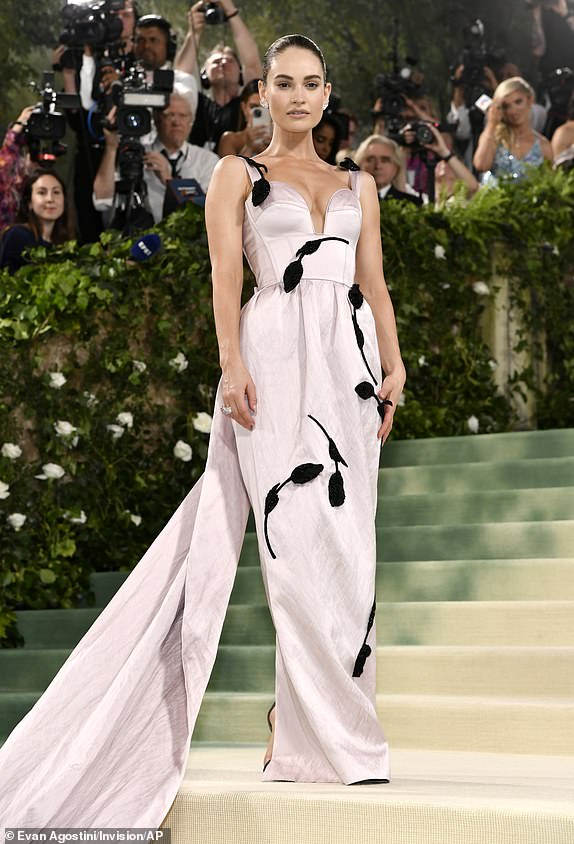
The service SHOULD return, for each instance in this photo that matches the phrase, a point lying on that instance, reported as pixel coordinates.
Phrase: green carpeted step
(468, 477)
(27, 670)
(482, 724)
(544, 672)
(519, 623)
(525, 505)
(480, 448)
(55, 628)
(476, 580)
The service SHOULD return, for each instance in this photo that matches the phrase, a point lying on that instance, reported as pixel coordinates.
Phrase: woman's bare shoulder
(230, 173)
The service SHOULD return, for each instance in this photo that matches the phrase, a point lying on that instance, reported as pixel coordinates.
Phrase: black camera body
(46, 125)
(95, 25)
(393, 92)
(214, 14)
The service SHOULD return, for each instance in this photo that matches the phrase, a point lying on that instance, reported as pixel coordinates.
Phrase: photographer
(155, 45)
(43, 219)
(508, 145)
(563, 137)
(249, 139)
(169, 156)
(223, 73)
(552, 35)
(14, 167)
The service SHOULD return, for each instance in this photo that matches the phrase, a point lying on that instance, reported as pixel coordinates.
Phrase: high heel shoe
(269, 711)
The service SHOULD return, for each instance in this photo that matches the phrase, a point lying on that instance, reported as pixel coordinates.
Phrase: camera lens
(133, 120)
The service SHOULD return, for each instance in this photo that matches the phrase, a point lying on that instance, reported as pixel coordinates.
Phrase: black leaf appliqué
(261, 188)
(348, 164)
(365, 650)
(366, 391)
(300, 475)
(336, 484)
(294, 271)
(356, 299)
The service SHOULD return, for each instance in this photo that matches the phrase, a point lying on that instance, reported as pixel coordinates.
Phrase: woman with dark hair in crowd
(311, 376)
(327, 138)
(563, 137)
(43, 219)
(247, 139)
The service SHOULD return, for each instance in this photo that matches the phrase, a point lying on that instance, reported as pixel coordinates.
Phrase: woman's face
(516, 108)
(379, 163)
(295, 90)
(47, 201)
(324, 140)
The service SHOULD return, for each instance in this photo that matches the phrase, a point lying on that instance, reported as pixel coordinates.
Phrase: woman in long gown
(301, 412)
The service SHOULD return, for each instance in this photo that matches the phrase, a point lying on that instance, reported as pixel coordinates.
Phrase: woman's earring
(325, 105)
(264, 104)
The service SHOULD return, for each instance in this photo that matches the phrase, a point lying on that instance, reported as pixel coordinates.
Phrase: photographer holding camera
(552, 35)
(14, 167)
(224, 70)
(170, 156)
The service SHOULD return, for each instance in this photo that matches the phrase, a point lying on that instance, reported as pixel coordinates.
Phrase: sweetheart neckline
(304, 201)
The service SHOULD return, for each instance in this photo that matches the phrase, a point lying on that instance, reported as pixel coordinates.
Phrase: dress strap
(261, 187)
(354, 170)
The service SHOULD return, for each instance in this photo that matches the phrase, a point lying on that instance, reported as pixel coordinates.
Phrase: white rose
(79, 520)
(481, 288)
(179, 362)
(4, 490)
(137, 520)
(440, 252)
(473, 424)
(11, 451)
(445, 285)
(64, 429)
(182, 451)
(493, 364)
(16, 520)
(555, 251)
(51, 471)
(91, 399)
(116, 431)
(402, 400)
(125, 418)
(139, 365)
(422, 361)
(202, 422)
(57, 379)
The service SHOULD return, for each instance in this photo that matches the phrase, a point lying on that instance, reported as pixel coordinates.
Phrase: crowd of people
(215, 110)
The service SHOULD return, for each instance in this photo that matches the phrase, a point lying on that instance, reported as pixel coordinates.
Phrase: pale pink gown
(107, 742)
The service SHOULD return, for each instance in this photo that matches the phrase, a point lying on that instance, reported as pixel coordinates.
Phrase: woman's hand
(237, 384)
(391, 389)
(22, 119)
(439, 145)
(493, 116)
(256, 138)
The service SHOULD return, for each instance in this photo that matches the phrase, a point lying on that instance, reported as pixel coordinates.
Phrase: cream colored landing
(435, 797)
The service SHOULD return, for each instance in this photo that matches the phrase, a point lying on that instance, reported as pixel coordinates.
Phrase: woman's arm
(224, 211)
(563, 138)
(487, 143)
(546, 147)
(371, 279)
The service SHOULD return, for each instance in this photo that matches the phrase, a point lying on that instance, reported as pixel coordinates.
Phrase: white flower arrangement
(423, 361)
(4, 490)
(116, 431)
(481, 288)
(51, 472)
(56, 380)
(440, 252)
(11, 451)
(202, 422)
(76, 520)
(473, 424)
(16, 520)
(182, 451)
(64, 429)
(125, 418)
(135, 519)
(179, 362)
(139, 365)
(91, 399)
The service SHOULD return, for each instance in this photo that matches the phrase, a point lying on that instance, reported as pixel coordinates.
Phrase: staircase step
(525, 505)
(433, 722)
(480, 447)
(468, 477)
(518, 672)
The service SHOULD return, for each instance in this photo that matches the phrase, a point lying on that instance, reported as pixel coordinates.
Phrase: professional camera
(214, 14)
(46, 126)
(560, 89)
(96, 25)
